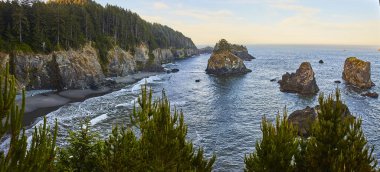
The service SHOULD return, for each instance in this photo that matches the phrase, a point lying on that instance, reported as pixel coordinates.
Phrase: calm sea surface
(224, 114)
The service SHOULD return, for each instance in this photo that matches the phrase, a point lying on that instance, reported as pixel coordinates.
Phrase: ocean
(224, 114)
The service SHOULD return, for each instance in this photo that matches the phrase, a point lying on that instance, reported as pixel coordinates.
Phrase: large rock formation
(223, 62)
(303, 81)
(357, 73)
(59, 70)
(238, 50)
(303, 119)
(121, 63)
(73, 69)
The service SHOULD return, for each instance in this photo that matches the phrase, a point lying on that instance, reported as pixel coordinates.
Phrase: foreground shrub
(41, 154)
(276, 149)
(161, 144)
(337, 143)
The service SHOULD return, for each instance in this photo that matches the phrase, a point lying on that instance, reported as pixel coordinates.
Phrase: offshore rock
(238, 50)
(226, 63)
(303, 81)
(371, 94)
(223, 62)
(303, 119)
(357, 73)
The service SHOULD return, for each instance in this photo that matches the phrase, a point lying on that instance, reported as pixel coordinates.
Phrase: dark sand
(42, 104)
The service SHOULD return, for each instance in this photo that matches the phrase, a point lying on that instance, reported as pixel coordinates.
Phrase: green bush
(41, 154)
(276, 149)
(337, 143)
(160, 146)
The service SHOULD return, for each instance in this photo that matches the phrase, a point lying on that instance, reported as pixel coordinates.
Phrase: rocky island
(224, 62)
(357, 73)
(238, 50)
(303, 81)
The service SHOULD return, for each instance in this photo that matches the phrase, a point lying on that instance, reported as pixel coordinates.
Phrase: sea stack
(357, 73)
(238, 50)
(302, 82)
(224, 62)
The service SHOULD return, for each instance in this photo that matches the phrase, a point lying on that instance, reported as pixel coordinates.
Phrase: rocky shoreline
(42, 104)
(84, 68)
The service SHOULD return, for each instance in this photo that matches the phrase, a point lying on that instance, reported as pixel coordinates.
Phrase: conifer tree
(83, 152)
(277, 148)
(163, 137)
(41, 154)
(337, 142)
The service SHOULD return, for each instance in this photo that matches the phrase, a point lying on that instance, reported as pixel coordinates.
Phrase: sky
(338, 22)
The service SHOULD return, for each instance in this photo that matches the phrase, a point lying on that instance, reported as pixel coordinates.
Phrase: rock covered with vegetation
(238, 50)
(303, 81)
(223, 62)
(357, 73)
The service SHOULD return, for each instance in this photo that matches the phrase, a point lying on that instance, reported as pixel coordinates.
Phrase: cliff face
(77, 69)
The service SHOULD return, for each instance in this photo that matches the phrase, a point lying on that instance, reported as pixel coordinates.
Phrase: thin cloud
(160, 6)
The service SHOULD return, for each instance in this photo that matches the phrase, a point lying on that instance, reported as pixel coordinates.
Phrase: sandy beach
(42, 104)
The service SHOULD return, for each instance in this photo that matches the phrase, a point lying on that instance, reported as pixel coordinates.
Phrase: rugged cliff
(77, 69)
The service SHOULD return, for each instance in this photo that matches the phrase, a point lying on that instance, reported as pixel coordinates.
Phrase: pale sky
(265, 21)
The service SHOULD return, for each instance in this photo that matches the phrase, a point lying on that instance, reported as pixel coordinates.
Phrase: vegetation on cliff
(39, 26)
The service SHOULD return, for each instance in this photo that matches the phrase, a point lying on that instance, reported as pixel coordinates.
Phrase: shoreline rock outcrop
(223, 62)
(302, 82)
(82, 68)
(357, 73)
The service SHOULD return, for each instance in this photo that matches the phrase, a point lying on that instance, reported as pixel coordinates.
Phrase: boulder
(303, 81)
(321, 62)
(371, 94)
(174, 70)
(303, 119)
(197, 80)
(273, 80)
(357, 73)
(337, 82)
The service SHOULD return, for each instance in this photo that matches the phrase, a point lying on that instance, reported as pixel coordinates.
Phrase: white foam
(148, 80)
(179, 103)
(98, 119)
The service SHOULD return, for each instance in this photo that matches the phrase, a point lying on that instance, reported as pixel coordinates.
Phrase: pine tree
(337, 142)
(277, 149)
(83, 152)
(41, 154)
(163, 138)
